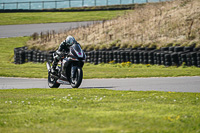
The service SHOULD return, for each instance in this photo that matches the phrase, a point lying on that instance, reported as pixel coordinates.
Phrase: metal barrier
(68, 3)
(38, 2)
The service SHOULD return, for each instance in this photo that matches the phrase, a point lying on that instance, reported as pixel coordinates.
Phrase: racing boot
(53, 68)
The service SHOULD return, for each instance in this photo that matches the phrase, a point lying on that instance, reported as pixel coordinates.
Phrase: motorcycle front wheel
(52, 82)
(76, 82)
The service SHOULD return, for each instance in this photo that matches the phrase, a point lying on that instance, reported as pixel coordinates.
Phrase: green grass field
(98, 110)
(55, 17)
(123, 70)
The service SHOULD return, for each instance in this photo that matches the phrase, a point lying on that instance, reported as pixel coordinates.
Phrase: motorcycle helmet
(70, 40)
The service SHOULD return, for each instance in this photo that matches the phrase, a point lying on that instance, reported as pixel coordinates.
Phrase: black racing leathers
(63, 47)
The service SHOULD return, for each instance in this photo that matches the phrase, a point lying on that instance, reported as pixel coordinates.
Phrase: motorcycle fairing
(76, 50)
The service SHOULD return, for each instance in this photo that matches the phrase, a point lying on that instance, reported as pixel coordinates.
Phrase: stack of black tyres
(44, 57)
(110, 58)
(29, 54)
(38, 55)
(96, 56)
(151, 57)
(34, 56)
(19, 55)
(115, 54)
(136, 57)
(92, 57)
(49, 56)
(103, 57)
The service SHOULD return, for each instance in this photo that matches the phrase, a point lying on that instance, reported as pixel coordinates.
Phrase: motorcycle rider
(64, 46)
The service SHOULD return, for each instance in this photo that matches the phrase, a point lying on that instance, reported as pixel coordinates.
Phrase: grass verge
(98, 110)
(55, 17)
(123, 70)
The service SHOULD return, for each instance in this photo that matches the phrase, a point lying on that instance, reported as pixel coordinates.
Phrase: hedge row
(165, 56)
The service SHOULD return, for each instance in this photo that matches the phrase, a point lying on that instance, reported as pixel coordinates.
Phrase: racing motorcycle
(70, 70)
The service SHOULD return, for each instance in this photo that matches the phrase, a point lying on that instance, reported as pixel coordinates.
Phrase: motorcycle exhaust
(63, 82)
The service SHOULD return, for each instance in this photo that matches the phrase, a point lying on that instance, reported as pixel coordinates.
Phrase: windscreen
(77, 47)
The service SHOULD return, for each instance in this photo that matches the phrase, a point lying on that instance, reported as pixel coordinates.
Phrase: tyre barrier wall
(167, 56)
(23, 55)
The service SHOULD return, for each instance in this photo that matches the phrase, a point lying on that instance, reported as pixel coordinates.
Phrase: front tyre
(76, 82)
(52, 82)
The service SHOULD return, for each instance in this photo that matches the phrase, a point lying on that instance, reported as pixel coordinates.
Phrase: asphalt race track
(29, 29)
(174, 84)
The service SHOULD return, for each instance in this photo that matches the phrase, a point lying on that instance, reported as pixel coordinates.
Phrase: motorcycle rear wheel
(76, 82)
(52, 82)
